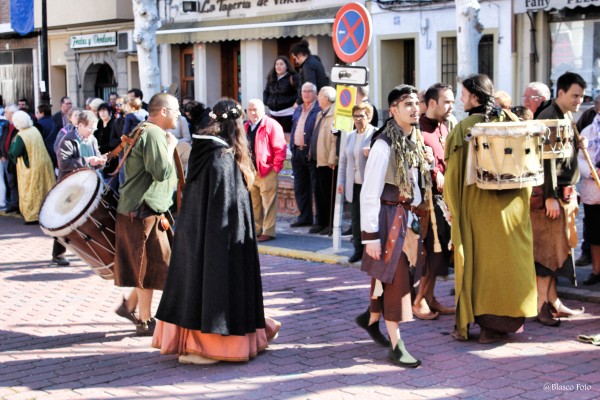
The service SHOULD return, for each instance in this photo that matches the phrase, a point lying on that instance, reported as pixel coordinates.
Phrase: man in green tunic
(491, 233)
(143, 251)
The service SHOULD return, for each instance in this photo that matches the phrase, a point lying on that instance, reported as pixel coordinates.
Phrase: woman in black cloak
(212, 306)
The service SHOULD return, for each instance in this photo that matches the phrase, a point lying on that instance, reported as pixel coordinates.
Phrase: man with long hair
(491, 233)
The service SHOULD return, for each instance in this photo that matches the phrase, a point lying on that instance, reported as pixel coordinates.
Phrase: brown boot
(544, 316)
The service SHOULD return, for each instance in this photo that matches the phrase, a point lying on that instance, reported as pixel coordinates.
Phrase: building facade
(90, 49)
(227, 48)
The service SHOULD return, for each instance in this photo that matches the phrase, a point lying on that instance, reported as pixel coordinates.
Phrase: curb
(303, 255)
(573, 293)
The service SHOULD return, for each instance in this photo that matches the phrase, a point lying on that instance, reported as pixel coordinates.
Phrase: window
(449, 61)
(486, 56)
(16, 75)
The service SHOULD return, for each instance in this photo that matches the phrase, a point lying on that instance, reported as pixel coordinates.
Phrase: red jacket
(269, 146)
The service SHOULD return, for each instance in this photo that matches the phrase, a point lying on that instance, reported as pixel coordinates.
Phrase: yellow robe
(37, 180)
(493, 241)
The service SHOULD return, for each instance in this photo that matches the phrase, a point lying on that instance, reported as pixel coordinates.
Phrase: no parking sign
(344, 101)
(351, 32)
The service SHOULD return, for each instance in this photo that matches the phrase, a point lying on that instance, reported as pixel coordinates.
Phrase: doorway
(231, 85)
(99, 81)
(187, 72)
(398, 62)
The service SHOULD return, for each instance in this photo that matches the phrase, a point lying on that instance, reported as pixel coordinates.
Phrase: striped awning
(298, 24)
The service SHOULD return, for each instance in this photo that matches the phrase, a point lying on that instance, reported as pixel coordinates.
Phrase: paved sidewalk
(59, 338)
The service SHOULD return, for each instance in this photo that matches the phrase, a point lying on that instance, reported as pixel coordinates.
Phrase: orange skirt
(173, 339)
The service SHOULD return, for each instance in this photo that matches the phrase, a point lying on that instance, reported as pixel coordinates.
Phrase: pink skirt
(173, 339)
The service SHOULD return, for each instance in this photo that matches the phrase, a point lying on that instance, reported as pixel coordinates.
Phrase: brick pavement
(59, 339)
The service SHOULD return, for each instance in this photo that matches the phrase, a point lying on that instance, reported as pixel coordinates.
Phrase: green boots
(399, 356)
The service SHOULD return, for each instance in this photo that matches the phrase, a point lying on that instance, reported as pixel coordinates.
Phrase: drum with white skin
(508, 155)
(80, 212)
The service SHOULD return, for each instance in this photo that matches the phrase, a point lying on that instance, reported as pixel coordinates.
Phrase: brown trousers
(142, 252)
(396, 299)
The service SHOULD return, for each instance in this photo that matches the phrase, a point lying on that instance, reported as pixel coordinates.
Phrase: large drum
(508, 155)
(558, 138)
(81, 213)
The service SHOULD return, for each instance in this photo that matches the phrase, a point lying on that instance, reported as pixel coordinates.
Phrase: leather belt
(415, 210)
(300, 147)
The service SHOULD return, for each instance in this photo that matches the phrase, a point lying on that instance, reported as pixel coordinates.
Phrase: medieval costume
(493, 245)
(35, 173)
(551, 246)
(212, 304)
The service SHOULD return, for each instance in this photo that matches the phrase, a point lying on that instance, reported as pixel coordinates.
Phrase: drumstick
(437, 247)
(585, 152)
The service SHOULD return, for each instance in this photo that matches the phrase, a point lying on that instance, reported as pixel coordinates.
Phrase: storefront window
(16, 75)
(573, 51)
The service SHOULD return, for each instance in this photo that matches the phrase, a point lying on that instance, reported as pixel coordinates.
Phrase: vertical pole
(44, 57)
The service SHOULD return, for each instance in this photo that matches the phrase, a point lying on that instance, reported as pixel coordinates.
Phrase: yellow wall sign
(344, 101)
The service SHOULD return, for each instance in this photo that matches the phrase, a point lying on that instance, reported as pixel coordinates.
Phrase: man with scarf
(491, 233)
(554, 235)
(392, 200)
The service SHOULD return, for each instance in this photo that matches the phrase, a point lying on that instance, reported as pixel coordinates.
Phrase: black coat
(281, 93)
(312, 70)
(214, 283)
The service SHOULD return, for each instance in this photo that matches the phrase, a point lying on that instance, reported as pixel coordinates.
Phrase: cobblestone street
(59, 338)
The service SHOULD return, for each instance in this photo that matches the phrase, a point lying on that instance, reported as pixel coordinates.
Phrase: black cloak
(214, 283)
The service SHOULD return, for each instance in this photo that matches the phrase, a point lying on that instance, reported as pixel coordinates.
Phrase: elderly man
(267, 147)
(536, 97)
(551, 222)
(323, 151)
(143, 250)
(305, 170)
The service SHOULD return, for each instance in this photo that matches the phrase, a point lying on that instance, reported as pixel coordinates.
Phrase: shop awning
(523, 6)
(305, 23)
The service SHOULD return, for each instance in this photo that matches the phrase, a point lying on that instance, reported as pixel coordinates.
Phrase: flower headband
(233, 113)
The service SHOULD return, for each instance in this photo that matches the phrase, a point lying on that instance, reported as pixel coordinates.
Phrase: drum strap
(511, 115)
(130, 141)
(126, 140)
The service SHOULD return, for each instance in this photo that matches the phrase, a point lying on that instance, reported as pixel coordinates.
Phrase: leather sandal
(427, 316)
(124, 313)
(457, 336)
(488, 336)
(440, 308)
(559, 310)
(544, 316)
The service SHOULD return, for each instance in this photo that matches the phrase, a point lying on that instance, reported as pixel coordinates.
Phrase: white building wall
(426, 27)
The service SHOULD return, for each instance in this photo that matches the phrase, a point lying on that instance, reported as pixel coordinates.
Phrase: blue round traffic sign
(351, 32)
(345, 98)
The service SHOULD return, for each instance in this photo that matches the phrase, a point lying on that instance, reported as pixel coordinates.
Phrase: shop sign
(94, 40)
(227, 6)
(523, 6)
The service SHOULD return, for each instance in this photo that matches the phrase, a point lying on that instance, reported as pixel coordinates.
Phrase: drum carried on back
(557, 139)
(508, 155)
(80, 212)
